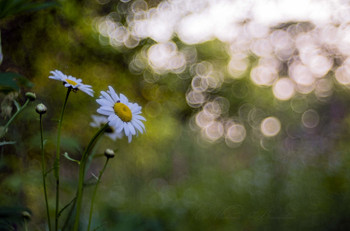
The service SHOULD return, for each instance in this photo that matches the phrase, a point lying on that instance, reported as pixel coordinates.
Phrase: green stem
(94, 193)
(25, 225)
(88, 162)
(4, 129)
(44, 172)
(82, 174)
(57, 160)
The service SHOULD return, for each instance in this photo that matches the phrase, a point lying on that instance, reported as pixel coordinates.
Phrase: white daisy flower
(99, 121)
(122, 115)
(70, 81)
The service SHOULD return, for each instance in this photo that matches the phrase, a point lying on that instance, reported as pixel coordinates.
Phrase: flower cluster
(122, 116)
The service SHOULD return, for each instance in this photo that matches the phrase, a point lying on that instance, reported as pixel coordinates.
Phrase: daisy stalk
(57, 160)
(73, 84)
(109, 154)
(82, 167)
(41, 109)
(124, 117)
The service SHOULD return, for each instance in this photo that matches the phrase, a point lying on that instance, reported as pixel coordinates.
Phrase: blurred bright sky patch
(299, 45)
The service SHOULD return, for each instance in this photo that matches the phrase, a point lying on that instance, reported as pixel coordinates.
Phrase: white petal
(107, 108)
(126, 129)
(132, 129)
(123, 99)
(103, 112)
(104, 102)
(137, 126)
(113, 94)
(107, 96)
(139, 117)
(119, 128)
(139, 123)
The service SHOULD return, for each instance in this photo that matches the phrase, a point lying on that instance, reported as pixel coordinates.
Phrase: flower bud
(26, 215)
(31, 96)
(41, 109)
(109, 153)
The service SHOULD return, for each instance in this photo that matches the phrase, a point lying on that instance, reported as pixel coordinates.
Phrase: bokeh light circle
(270, 126)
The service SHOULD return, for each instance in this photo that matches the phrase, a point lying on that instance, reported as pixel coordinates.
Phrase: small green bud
(26, 215)
(41, 109)
(109, 153)
(31, 96)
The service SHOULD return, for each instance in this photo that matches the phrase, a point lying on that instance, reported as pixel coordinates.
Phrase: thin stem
(13, 117)
(94, 193)
(25, 225)
(57, 160)
(43, 167)
(82, 174)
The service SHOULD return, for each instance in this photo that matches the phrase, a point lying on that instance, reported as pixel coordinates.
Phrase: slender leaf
(17, 105)
(7, 143)
(69, 158)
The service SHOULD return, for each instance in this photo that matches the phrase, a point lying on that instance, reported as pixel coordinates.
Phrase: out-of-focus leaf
(3, 131)
(10, 81)
(12, 7)
(7, 143)
(66, 206)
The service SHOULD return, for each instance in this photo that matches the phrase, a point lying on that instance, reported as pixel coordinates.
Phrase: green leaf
(66, 206)
(10, 81)
(3, 131)
(38, 6)
(69, 158)
(13, 7)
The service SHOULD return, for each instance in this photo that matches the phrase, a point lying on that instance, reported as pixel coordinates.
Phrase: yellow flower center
(122, 111)
(71, 82)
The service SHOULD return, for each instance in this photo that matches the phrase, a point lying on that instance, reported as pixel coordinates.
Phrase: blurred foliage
(172, 177)
(12, 7)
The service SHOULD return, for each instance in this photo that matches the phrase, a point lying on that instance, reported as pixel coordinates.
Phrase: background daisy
(99, 121)
(70, 81)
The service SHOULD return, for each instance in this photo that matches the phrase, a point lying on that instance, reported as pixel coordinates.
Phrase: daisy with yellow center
(99, 121)
(122, 115)
(72, 82)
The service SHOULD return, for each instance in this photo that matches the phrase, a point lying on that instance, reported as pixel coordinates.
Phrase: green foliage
(13, 7)
(10, 81)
